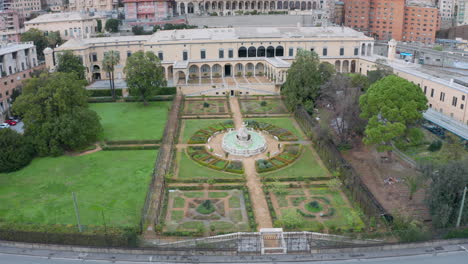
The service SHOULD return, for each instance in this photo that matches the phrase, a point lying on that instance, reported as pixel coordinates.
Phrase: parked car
(11, 122)
(4, 125)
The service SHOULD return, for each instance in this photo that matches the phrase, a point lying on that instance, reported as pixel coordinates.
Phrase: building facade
(26, 7)
(209, 61)
(92, 5)
(447, 13)
(70, 25)
(17, 61)
(10, 27)
(393, 19)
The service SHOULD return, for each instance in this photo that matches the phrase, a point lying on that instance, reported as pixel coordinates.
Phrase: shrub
(206, 104)
(16, 151)
(263, 103)
(292, 219)
(206, 207)
(436, 145)
(457, 233)
(313, 207)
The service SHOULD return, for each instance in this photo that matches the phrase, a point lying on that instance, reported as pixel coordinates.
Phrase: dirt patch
(394, 197)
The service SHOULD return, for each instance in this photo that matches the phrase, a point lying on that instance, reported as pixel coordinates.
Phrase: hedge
(160, 91)
(103, 93)
(152, 99)
(132, 142)
(109, 148)
(285, 162)
(204, 180)
(100, 100)
(69, 235)
(286, 179)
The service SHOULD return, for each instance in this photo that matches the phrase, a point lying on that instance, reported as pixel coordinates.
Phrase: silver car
(4, 125)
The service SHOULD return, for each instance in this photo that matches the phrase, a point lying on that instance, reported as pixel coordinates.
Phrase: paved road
(441, 258)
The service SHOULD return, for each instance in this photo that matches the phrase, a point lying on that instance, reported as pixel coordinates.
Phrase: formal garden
(195, 211)
(313, 207)
(206, 106)
(262, 105)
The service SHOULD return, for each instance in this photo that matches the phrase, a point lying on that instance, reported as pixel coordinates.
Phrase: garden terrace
(312, 208)
(132, 121)
(193, 210)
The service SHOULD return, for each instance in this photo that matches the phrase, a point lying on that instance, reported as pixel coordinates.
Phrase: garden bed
(281, 133)
(289, 154)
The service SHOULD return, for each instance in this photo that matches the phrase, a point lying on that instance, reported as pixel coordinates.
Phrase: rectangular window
(341, 51)
(356, 51)
(432, 92)
(221, 53)
(324, 51)
(442, 96)
(462, 106)
(231, 53)
(129, 53)
(160, 56)
(425, 89)
(291, 52)
(454, 101)
(185, 56)
(203, 54)
(94, 57)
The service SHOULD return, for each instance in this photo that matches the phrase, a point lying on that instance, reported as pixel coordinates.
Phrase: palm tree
(111, 58)
(414, 183)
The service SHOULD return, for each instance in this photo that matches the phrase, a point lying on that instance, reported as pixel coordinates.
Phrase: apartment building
(26, 7)
(17, 61)
(447, 12)
(10, 27)
(70, 25)
(92, 5)
(393, 19)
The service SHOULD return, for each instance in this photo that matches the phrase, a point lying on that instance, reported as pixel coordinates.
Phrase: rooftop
(82, 43)
(9, 48)
(255, 32)
(58, 17)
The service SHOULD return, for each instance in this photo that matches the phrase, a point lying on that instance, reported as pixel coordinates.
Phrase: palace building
(253, 61)
(216, 61)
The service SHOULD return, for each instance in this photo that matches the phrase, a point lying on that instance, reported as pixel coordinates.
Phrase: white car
(4, 125)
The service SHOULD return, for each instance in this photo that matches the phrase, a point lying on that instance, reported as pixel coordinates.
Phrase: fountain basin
(244, 146)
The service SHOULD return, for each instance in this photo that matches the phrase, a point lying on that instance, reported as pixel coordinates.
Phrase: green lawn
(193, 125)
(113, 181)
(189, 169)
(283, 122)
(132, 121)
(305, 166)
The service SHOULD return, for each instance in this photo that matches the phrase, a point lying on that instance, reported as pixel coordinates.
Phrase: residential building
(26, 7)
(461, 14)
(10, 27)
(447, 13)
(55, 5)
(339, 13)
(17, 61)
(70, 25)
(148, 10)
(393, 19)
(92, 5)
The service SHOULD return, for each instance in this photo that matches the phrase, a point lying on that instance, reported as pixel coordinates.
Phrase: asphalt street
(460, 257)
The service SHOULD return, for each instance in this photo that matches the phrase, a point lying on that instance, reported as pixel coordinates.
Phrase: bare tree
(342, 101)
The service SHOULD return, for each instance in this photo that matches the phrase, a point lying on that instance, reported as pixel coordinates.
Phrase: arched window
(279, 51)
(252, 52)
(270, 52)
(261, 51)
(242, 53)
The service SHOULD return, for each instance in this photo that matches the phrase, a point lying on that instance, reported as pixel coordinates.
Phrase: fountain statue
(244, 142)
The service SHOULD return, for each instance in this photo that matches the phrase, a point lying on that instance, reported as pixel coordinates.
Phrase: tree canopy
(68, 62)
(36, 36)
(55, 113)
(112, 25)
(305, 76)
(392, 105)
(16, 152)
(145, 75)
(446, 191)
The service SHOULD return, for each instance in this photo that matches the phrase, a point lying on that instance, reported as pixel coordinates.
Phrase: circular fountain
(244, 142)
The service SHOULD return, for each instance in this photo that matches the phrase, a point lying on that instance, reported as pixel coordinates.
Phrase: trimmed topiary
(207, 207)
(16, 151)
(313, 207)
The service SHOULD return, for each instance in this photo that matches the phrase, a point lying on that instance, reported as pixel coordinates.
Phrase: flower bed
(202, 135)
(203, 157)
(288, 156)
(281, 133)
